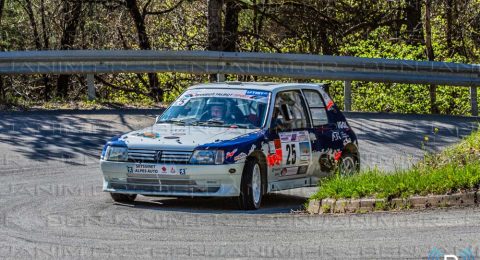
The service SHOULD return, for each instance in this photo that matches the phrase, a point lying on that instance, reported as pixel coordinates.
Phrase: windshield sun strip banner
(247, 94)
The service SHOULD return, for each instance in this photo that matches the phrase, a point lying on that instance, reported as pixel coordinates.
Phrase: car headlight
(207, 157)
(115, 153)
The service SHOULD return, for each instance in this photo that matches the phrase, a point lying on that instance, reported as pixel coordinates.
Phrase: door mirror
(157, 119)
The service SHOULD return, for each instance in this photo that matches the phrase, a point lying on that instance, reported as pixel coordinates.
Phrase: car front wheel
(251, 191)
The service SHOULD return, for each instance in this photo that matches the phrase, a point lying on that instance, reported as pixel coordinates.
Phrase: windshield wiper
(211, 122)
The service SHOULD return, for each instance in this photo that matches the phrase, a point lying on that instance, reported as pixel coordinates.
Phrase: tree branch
(108, 84)
(145, 12)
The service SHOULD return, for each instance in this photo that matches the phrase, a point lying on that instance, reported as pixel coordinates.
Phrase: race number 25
(291, 154)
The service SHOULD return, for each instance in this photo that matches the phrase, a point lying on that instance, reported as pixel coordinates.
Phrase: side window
(290, 111)
(317, 107)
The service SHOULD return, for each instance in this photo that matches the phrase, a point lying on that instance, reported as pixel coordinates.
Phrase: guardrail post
(220, 77)
(347, 99)
(91, 86)
(473, 100)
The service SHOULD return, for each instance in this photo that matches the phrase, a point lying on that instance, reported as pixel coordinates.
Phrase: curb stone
(399, 203)
(369, 205)
(313, 206)
(327, 206)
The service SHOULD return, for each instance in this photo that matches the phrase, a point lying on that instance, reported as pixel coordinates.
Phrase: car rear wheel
(349, 164)
(119, 197)
(251, 188)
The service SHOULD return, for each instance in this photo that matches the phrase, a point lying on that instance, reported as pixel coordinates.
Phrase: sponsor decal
(294, 138)
(239, 157)
(257, 93)
(329, 104)
(338, 155)
(289, 171)
(260, 96)
(181, 101)
(328, 100)
(296, 148)
(335, 136)
(304, 151)
(277, 171)
(151, 135)
(231, 154)
(142, 169)
(271, 147)
(276, 158)
(342, 125)
(302, 137)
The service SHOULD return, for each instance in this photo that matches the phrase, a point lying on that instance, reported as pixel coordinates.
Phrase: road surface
(51, 204)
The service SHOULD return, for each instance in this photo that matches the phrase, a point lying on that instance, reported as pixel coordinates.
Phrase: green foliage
(455, 169)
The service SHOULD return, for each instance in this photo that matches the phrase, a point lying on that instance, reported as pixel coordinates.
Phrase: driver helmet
(217, 108)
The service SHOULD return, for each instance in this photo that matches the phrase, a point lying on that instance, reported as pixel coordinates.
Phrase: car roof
(266, 86)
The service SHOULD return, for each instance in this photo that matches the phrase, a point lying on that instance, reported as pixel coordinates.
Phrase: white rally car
(233, 140)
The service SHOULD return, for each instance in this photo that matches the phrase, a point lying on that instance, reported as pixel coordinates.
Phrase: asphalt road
(51, 204)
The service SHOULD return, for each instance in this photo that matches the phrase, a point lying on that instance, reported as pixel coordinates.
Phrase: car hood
(180, 138)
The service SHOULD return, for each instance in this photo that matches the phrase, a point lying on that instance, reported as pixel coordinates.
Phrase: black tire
(348, 164)
(119, 197)
(247, 194)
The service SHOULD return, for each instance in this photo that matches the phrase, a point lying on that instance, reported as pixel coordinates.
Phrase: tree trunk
(44, 25)
(430, 55)
(413, 15)
(72, 11)
(2, 4)
(45, 46)
(230, 31)
(214, 27)
(448, 19)
(215, 34)
(37, 41)
(33, 24)
(144, 43)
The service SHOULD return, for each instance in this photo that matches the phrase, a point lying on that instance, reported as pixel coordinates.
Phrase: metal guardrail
(301, 66)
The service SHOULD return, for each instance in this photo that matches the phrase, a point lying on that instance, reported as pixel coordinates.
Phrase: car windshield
(219, 108)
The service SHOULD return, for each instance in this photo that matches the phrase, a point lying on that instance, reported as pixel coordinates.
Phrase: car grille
(153, 156)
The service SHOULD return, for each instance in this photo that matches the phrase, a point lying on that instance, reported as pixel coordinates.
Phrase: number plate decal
(142, 168)
(296, 148)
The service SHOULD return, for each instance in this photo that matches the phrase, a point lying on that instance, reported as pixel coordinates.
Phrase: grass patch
(455, 169)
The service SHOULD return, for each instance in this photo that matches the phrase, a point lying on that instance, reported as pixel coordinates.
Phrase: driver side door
(289, 128)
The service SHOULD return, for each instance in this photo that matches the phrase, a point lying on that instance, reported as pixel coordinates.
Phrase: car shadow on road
(271, 204)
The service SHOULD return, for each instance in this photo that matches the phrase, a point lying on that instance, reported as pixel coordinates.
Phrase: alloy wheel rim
(348, 166)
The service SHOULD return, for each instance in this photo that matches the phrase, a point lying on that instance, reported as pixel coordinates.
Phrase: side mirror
(157, 119)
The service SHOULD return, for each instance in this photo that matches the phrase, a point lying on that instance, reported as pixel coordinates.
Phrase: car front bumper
(195, 181)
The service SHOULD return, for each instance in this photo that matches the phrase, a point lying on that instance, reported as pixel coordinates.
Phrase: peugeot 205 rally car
(233, 140)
